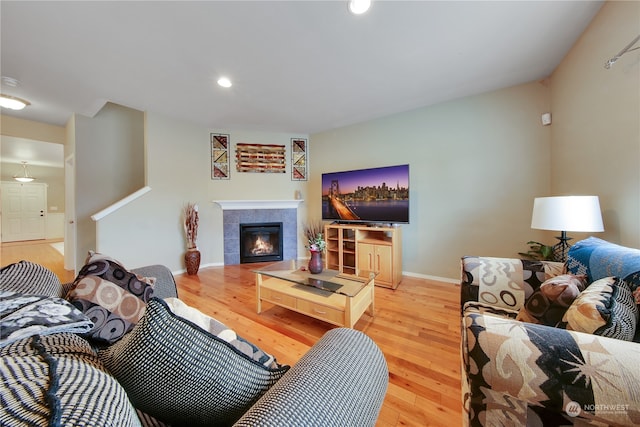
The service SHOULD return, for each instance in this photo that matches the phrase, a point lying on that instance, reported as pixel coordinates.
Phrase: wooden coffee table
(330, 296)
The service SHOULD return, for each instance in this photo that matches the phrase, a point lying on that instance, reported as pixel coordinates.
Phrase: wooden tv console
(355, 248)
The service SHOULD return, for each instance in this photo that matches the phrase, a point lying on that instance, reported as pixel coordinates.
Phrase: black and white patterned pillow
(220, 330)
(26, 277)
(181, 374)
(57, 380)
(606, 307)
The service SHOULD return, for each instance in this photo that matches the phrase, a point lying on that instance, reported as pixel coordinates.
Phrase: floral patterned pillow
(22, 316)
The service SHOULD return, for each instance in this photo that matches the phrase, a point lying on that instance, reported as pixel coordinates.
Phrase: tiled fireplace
(236, 212)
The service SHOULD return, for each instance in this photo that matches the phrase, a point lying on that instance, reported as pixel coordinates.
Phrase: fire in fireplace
(260, 242)
(262, 246)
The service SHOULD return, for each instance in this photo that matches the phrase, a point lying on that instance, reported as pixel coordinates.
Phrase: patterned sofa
(172, 367)
(581, 368)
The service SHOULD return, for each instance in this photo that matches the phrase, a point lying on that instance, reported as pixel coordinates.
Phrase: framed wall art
(269, 158)
(220, 156)
(298, 159)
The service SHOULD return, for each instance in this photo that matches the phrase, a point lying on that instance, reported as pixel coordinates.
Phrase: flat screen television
(375, 195)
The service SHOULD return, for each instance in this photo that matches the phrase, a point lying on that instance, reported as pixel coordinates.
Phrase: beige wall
(596, 121)
(257, 186)
(148, 231)
(179, 171)
(476, 165)
(109, 159)
(12, 126)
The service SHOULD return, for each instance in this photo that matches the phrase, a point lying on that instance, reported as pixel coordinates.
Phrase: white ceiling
(297, 66)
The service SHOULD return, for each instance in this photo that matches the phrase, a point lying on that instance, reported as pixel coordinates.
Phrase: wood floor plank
(417, 327)
(39, 251)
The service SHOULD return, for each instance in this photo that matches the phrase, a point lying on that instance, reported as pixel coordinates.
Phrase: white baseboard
(212, 264)
(429, 277)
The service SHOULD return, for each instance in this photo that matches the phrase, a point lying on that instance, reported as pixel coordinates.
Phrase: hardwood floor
(416, 326)
(39, 251)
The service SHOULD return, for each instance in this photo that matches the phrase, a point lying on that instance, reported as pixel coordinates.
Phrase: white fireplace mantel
(257, 204)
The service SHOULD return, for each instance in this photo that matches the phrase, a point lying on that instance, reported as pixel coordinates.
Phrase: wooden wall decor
(220, 156)
(298, 159)
(260, 158)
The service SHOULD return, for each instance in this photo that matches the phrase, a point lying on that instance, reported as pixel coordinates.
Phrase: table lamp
(566, 213)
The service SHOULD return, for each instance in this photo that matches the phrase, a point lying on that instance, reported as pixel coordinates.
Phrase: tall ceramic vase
(192, 261)
(315, 262)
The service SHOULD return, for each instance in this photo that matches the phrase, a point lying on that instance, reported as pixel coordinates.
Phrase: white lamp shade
(567, 213)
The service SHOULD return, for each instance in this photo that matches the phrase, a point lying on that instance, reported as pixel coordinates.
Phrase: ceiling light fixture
(12, 102)
(25, 174)
(358, 7)
(224, 82)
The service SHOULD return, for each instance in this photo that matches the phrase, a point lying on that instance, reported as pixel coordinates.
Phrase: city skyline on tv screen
(367, 195)
(350, 180)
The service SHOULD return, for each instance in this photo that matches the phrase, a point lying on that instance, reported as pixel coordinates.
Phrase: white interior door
(69, 214)
(11, 208)
(24, 210)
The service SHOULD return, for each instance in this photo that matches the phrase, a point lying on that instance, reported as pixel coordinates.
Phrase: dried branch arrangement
(190, 212)
(313, 232)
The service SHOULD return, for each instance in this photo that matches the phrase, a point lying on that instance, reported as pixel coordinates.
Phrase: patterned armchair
(524, 374)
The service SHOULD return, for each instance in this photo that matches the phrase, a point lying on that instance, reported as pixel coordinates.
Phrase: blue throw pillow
(598, 258)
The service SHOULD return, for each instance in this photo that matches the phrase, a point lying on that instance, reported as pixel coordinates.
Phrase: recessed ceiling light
(12, 102)
(358, 7)
(224, 82)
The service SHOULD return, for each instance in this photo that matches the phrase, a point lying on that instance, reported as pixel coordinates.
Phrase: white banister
(120, 203)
